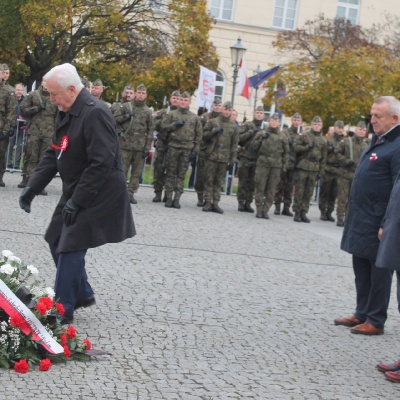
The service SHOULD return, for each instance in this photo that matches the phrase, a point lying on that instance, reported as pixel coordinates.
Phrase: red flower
(64, 340)
(47, 302)
(41, 308)
(67, 352)
(45, 365)
(87, 344)
(60, 308)
(71, 332)
(17, 321)
(21, 366)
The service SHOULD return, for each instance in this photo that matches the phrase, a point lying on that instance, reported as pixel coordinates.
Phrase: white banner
(12, 305)
(206, 89)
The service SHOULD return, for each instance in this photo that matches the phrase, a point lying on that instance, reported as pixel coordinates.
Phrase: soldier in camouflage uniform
(272, 148)
(248, 158)
(286, 184)
(184, 133)
(135, 126)
(201, 160)
(97, 89)
(348, 153)
(160, 161)
(330, 174)
(8, 121)
(41, 113)
(310, 148)
(221, 135)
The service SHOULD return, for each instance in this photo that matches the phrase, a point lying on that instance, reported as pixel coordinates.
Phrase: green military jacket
(332, 164)
(187, 136)
(222, 147)
(348, 153)
(135, 126)
(292, 133)
(272, 150)
(310, 159)
(246, 138)
(162, 134)
(8, 108)
(42, 121)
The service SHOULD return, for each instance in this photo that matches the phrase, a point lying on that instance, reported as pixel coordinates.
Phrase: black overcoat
(92, 175)
(370, 191)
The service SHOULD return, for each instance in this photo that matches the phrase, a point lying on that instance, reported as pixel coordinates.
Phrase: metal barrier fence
(15, 149)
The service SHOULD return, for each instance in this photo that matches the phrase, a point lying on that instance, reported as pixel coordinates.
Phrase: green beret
(185, 95)
(227, 104)
(141, 87)
(97, 82)
(362, 124)
(296, 115)
(217, 100)
(339, 124)
(176, 93)
(317, 119)
(260, 108)
(274, 116)
(85, 82)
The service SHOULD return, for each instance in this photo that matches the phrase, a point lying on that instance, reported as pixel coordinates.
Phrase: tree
(338, 70)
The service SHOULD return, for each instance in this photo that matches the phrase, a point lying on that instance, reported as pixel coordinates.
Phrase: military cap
(317, 119)
(274, 116)
(296, 115)
(5, 67)
(176, 93)
(97, 82)
(217, 100)
(227, 104)
(142, 88)
(362, 124)
(260, 108)
(85, 82)
(129, 87)
(185, 95)
(339, 124)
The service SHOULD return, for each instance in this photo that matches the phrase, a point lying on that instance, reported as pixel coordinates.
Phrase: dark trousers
(71, 285)
(373, 291)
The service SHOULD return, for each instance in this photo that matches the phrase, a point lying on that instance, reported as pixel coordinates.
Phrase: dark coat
(369, 195)
(92, 175)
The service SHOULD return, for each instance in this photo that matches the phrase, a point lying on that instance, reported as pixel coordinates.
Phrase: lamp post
(256, 72)
(237, 52)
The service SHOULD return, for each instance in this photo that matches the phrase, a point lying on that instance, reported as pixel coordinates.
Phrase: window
(221, 9)
(285, 14)
(220, 86)
(348, 9)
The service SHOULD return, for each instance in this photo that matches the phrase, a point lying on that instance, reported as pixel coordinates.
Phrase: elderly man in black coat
(94, 207)
(369, 196)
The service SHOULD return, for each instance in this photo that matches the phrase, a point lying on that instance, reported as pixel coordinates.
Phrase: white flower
(50, 292)
(33, 270)
(14, 258)
(7, 269)
(7, 253)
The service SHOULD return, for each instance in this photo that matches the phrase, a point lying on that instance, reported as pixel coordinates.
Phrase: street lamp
(237, 52)
(256, 72)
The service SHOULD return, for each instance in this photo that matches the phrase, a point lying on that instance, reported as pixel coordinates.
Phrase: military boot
(132, 199)
(175, 203)
(216, 208)
(200, 199)
(207, 207)
(340, 222)
(304, 218)
(23, 183)
(168, 202)
(157, 197)
(2, 184)
(265, 215)
(164, 198)
(277, 209)
(329, 216)
(241, 206)
(323, 216)
(259, 212)
(248, 207)
(297, 217)
(286, 211)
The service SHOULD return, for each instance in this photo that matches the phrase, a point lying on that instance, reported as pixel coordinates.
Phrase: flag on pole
(244, 87)
(256, 80)
(206, 88)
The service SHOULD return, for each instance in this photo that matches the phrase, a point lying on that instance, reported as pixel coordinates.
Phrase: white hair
(393, 103)
(66, 75)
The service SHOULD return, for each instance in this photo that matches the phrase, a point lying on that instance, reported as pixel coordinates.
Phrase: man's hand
(217, 131)
(26, 198)
(255, 129)
(70, 212)
(179, 123)
(265, 135)
(350, 163)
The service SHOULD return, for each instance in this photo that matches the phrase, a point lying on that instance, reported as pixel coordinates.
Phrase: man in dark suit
(94, 208)
(376, 172)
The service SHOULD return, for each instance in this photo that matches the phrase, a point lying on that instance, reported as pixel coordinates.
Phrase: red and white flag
(244, 87)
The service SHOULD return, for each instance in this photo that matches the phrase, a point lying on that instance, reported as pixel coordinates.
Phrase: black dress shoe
(85, 303)
(62, 319)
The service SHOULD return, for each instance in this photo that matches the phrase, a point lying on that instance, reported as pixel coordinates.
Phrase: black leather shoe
(62, 319)
(2, 184)
(85, 303)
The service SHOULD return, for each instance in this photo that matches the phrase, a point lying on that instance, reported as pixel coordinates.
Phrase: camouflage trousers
(285, 189)
(215, 172)
(304, 183)
(177, 165)
(3, 156)
(266, 180)
(343, 186)
(35, 147)
(328, 192)
(160, 164)
(200, 177)
(132, 159)
(246, 174)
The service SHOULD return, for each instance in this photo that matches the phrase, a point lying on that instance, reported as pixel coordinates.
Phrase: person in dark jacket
(370, 191)
(94, 207)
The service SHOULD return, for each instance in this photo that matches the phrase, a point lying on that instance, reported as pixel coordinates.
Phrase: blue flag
(256, 80)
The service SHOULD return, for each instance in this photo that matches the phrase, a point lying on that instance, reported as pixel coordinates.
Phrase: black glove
(255, 129)
(350, 163)
(70, 212)
(26, 198)
(229, 165)
(192, 156)
(145, 154)
(265, 135)
(179, 123)
(42, 106)
(217, 131)
(290, 140)
(311, 145)
(132, 114)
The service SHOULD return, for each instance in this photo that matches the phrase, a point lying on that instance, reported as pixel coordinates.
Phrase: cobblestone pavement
(207, 306)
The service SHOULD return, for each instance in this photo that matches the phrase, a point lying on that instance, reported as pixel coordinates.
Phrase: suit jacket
(370, 191)
(92, 175)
